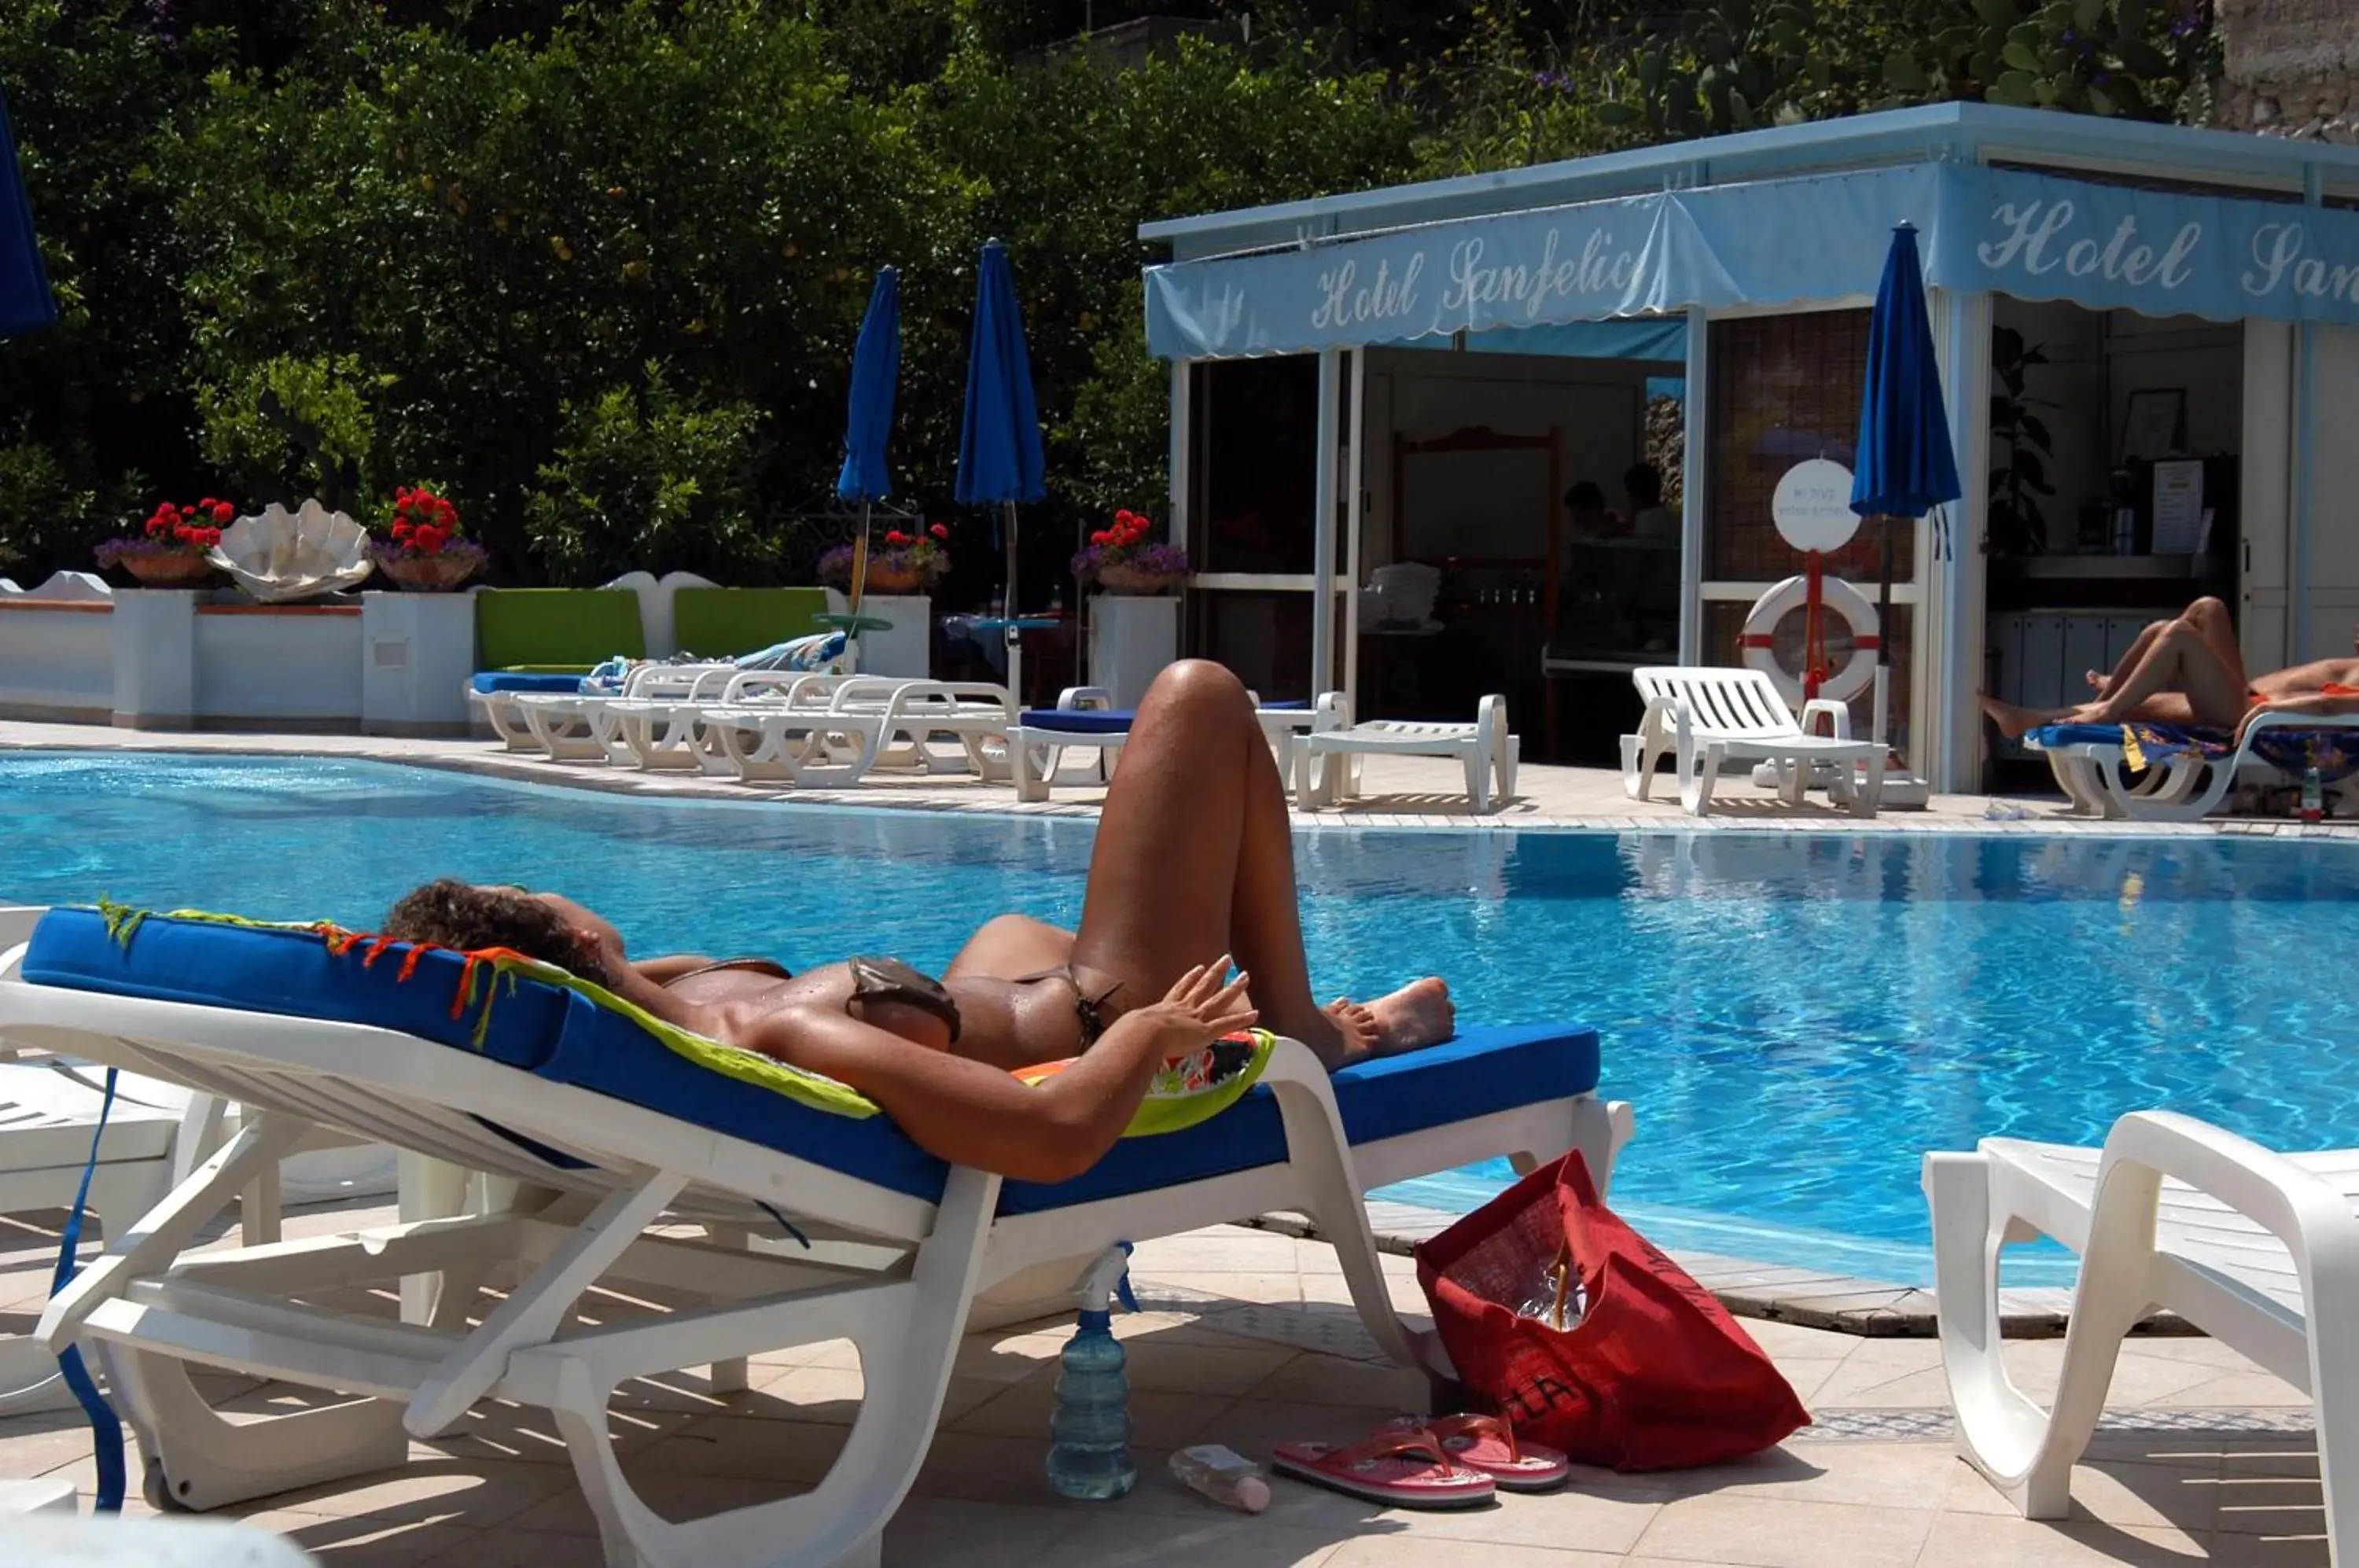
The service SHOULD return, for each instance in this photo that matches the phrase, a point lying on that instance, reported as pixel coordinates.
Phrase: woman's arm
(2319, 704)
(972, 1113)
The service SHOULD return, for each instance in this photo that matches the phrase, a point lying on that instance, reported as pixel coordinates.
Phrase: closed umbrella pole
(1000, 460)
(868, 424)
(1906, 464)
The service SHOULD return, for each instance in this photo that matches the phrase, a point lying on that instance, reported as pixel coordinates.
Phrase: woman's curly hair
(455, 914)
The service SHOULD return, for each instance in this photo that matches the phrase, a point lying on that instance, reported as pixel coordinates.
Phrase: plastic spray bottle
(1090, 1454)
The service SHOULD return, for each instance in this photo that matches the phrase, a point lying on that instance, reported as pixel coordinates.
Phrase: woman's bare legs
(2187, 671)
(1194, 858)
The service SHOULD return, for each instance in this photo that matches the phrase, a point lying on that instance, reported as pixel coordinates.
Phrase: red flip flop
(1406, 1468)
(1489, 1445)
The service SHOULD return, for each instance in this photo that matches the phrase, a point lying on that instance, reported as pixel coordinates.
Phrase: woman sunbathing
(1193, 866)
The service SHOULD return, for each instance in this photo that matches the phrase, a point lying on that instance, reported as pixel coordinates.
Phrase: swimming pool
(1796, 1016)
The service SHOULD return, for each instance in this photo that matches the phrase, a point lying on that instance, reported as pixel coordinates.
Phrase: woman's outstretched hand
(1199, 1009)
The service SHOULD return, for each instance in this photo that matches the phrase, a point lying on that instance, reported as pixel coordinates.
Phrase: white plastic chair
(1705, 717)
(2258, 1250)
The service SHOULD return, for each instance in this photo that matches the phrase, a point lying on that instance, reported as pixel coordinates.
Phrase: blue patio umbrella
(25, 299)
(868, 425)
(999, 442)
(1905, 466)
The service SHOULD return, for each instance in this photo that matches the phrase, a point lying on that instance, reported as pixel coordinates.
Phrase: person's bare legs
(1194, 858)
(2103, 682)
(2211, 621)
(2188, 670)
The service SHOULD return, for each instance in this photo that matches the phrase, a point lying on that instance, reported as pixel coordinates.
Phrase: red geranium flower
(938, 531)
(224, 512)
(429, 540)
(895, 536)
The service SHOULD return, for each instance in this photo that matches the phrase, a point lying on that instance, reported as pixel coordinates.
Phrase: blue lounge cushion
(565, 1038)
(1080, 721)
(492, 681)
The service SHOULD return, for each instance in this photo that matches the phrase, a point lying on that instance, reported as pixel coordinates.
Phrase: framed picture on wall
(2156, 425)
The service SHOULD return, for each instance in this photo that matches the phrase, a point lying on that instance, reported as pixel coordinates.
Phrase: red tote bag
(1653, 1375)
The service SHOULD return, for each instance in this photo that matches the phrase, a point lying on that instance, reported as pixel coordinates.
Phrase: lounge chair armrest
(2307, 1212)
(1838, 716)
(1084, 697)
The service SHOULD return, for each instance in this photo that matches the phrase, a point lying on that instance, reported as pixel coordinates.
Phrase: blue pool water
(1796, 1017)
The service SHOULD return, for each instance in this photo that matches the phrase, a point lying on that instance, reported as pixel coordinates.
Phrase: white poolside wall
(75, 651)
(57, 660)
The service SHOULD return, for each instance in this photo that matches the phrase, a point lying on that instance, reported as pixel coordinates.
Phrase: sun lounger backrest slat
(1729, 703)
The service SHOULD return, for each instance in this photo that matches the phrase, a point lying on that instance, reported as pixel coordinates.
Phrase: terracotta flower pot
(1117, 578)
(884, 580)
(427, 573)
(176, 568)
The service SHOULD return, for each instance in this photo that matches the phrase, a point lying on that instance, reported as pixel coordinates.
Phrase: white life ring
(1836, 597)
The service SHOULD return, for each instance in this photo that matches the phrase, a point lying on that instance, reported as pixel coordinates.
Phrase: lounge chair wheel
(156, 1492)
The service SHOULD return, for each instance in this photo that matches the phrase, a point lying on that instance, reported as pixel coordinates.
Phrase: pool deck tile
(2170, 1479)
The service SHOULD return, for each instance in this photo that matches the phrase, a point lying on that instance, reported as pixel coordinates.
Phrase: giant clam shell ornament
(281, 556)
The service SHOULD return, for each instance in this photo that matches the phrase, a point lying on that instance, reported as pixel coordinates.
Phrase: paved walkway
(1247, 1341)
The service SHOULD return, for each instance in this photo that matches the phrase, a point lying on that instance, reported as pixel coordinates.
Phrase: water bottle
(2313, 796)
(1226, 1477)
(1089, 1456)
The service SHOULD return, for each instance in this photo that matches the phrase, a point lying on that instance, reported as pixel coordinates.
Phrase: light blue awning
(1816, 239)
(1658, 340)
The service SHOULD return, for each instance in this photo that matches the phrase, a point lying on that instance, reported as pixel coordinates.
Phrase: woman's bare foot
(1355, 1024)
(1417, 1015)
(2015, 723)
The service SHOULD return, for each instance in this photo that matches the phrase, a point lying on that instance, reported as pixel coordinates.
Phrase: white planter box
(418, 651)
(156, 658)
(908, 648)
(1132, 638)
(263, 667)
(182, 665)
(57, 660)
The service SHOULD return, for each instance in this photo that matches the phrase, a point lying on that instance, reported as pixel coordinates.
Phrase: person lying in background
(2189, 671)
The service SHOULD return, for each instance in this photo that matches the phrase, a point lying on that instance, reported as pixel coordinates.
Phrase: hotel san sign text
(1815, 239)
(2039, 238)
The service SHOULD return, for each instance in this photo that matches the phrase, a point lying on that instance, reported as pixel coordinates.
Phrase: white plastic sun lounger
(587, 726)
(1085, 719)
(2091, 768)
(2258, 1250)
(607, 1167)
(1705, 717)
(1488, 751)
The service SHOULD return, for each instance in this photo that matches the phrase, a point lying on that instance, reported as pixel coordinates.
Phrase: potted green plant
(2018, 525)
